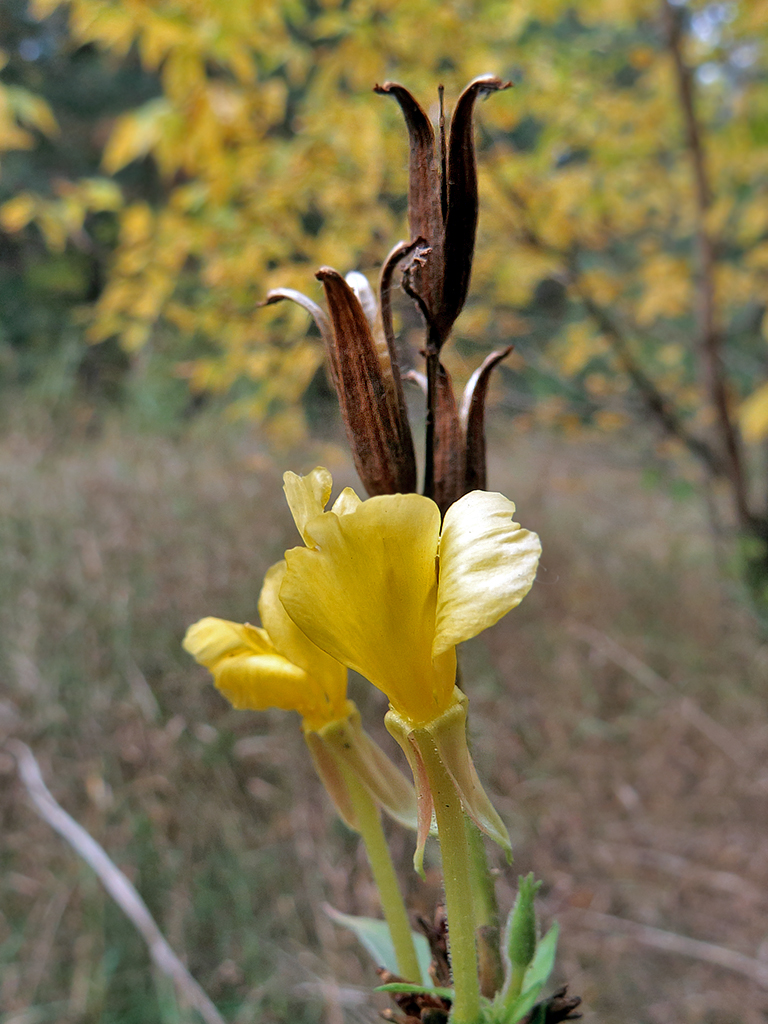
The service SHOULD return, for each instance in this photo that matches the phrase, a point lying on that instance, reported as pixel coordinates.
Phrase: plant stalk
(382, 868)
(486, 907)
(457, 879)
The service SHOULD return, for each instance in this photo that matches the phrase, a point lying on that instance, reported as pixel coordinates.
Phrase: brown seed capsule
(442, 203)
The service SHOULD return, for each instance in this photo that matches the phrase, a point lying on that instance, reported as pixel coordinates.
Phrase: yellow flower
(387, 592)
(384, 590)
(273, 667)
(277, 666)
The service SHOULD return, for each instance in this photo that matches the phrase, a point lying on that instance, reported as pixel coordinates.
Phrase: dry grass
(109, 547)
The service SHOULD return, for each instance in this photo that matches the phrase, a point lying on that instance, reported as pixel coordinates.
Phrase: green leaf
(543, 960)
(415, 990)
(374, 935)
(522, 1004)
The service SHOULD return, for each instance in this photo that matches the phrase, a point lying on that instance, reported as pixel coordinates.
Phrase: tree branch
(710, 333)
(656, 403)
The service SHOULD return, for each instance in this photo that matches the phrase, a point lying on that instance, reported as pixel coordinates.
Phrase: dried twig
(716, 733)
(114, 881)
(682, 870)
(670, 942)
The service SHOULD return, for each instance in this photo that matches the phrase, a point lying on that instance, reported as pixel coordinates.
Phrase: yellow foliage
(277, 158)
(667, 289)
(580, 344)
(753, 415)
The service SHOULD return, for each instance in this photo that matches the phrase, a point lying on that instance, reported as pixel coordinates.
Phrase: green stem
(487, 923)
(457, 879)
(395, 914)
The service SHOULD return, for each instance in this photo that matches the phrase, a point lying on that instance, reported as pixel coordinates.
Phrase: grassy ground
(608, 762)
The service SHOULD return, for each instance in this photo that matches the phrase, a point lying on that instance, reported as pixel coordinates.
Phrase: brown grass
(110, 547)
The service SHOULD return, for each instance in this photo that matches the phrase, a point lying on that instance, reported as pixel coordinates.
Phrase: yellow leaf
(135, 135)
(18, 212)
(753, 415)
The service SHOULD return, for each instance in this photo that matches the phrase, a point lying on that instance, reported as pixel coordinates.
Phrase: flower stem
(457, 879)
(395, 914)
(486, 907)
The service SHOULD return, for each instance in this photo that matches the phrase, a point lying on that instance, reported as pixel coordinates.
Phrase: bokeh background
(162, 165)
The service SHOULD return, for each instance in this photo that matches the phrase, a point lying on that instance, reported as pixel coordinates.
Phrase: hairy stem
(395, 914)
(486, 908)
(457, 879)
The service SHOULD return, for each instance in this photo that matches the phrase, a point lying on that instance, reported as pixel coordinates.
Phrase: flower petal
(307, 496)
(210, 640)
(366, 595)
(487, 566)
(260, 681)
(346, 502)
(251, 674)
(328, 675)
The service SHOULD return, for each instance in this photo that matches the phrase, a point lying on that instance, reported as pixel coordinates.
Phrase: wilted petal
(487, 566)
(472, 418)
(328, 675)
(307, 496)
(371, 402)
(366, 595)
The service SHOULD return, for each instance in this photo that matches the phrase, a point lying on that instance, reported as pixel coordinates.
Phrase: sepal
(343, 746)
(445, 737)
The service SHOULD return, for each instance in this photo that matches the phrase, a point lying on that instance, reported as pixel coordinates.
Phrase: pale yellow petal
(346, 502)
(261, 681)
(210, 640)
(487, 566)
(289, 641)
(367, 592)
(250, 673)
(307, 496)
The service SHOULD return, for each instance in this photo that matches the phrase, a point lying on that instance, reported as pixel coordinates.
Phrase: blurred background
(162, 166)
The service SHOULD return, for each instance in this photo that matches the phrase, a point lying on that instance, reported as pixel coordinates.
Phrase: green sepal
(520, 937)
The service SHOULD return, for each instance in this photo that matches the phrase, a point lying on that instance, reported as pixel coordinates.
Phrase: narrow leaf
(415, 990)
(544, 959)
(374, 936)
(522, 1005)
